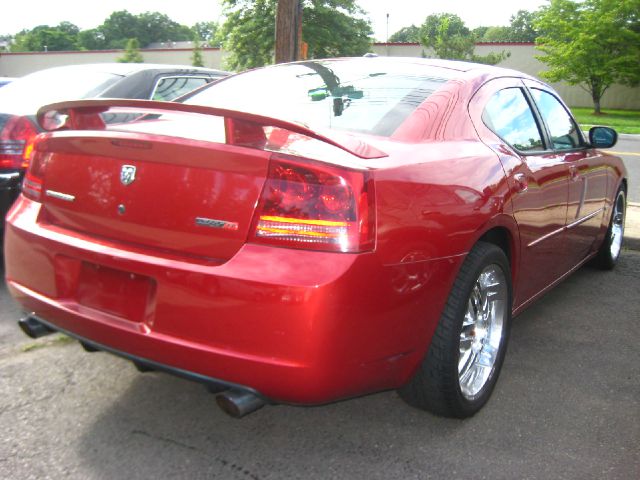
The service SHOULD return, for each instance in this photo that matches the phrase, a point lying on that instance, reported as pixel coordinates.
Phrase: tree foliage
(114, 33)
(206, 32)
(449, 38)
(523, 27)
(594, 44)
(196, 57)
(406, 35)
(148, 27)
(63, 37)
(329, 27)
(447, 34)
(132, 52)
(497, 34)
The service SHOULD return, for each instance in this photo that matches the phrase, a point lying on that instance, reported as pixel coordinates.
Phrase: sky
(402, 13)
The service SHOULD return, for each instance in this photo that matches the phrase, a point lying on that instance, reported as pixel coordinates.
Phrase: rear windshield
(362, 95)
(25, 95)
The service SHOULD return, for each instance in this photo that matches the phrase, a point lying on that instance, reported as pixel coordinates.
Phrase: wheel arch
(502, 231)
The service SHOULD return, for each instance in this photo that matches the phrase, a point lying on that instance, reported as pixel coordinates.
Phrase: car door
(538, 180)
(588, 177)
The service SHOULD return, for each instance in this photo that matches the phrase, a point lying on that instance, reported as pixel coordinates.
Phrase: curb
(631, 239)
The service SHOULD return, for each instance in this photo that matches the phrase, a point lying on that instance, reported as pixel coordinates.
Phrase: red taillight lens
(309, 205)
(32, 183)
(16, 143)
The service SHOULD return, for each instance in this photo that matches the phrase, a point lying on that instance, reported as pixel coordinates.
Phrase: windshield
(362, 95)
(25, 95)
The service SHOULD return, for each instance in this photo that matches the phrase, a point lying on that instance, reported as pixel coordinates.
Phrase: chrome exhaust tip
(33, 327)
(238, 403)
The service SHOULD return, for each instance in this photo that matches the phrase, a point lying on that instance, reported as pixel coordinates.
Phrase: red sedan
(314, 231)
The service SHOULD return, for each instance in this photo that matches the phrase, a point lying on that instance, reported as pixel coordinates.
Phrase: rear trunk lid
(182, 196)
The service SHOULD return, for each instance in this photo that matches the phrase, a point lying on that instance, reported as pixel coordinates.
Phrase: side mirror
(602, 137)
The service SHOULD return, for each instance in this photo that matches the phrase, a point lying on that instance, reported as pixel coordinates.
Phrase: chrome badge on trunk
(127, 174)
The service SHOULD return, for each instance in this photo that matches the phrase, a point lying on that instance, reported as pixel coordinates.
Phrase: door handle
(521, 182)
(574, 173)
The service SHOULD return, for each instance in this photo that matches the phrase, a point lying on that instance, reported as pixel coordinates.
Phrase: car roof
(125, 69)
(470, 68)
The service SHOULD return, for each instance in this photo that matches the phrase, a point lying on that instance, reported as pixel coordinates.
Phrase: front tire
(467, 350)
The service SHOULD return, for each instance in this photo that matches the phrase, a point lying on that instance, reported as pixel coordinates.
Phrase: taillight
(309, 205)
(16, 143)
(33, 179)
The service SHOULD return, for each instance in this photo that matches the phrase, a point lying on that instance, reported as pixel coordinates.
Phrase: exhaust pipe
(88, 348)
(238, 403)
(34, 327)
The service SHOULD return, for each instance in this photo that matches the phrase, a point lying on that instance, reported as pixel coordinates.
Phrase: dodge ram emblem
(127, 174)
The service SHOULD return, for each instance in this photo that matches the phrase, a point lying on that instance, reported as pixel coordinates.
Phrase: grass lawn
(624, 121)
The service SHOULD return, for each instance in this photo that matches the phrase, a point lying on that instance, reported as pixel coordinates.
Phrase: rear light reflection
(16, 143)
(315, 206)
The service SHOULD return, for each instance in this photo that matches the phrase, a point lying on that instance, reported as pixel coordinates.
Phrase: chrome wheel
(617, 226)
(482, 330)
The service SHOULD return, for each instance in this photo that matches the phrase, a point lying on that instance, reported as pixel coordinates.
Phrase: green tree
(449, 38)
(478, 33)
(406, 35)
(92, 39)
(447, 34)
(146, 27)
(5, 40)
(158, 27)
(329, 27)
(118, 28)
(63, 37)
(196, 57)
(523, 26)
(497, 34)
(520, 29)
(593, 44)
(132, 52)
(206, 32)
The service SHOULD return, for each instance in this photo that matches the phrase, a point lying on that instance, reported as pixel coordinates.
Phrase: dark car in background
(20, 100)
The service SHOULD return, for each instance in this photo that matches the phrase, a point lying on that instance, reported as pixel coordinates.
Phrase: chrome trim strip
(584, 219)
(566, 227)
(60, 196)
(9, 176)
(544, 237)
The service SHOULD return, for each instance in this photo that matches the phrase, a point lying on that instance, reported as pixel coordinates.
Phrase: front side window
(509, 115)
(366, 95)
(562, 128)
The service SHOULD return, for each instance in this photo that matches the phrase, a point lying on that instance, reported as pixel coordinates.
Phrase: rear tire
(611, 247)
(467, 350)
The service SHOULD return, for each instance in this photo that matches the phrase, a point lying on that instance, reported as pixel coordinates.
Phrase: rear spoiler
(85, 115)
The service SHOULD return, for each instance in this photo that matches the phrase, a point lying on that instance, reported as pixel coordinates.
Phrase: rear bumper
(296, 326)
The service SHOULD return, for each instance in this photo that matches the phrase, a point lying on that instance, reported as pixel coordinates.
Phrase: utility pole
(387, 42)
(288, 30)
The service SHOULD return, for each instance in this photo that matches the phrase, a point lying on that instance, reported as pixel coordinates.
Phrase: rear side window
(563, 130)
(509, 115)
(366, 96)
(170, 88)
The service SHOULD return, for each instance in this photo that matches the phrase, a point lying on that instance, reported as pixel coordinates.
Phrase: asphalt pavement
(567, 406)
